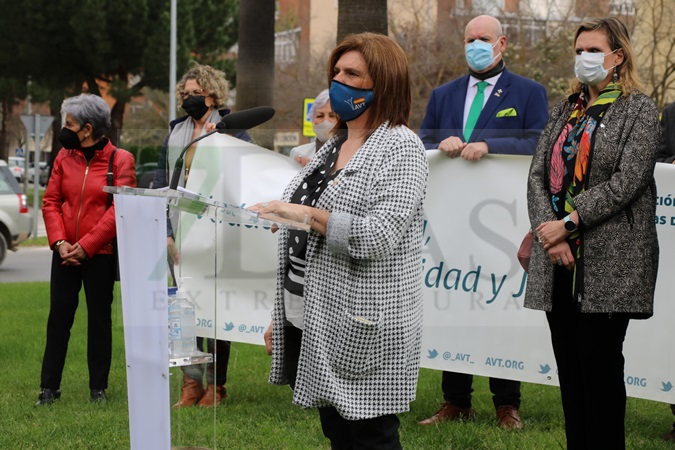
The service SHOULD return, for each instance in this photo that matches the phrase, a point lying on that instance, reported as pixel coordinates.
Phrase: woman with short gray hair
(80, 222)
(323, 121)
(90, 109)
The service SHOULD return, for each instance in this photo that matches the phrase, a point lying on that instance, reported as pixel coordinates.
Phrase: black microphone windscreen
(243, 120)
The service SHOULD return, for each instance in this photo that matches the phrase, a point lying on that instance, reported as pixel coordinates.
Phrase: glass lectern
(141, 218)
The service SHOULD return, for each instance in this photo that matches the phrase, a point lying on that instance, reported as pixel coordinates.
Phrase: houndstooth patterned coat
(621, 250)
(361, 341)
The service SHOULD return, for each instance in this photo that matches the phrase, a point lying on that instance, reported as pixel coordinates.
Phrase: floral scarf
(571, 159)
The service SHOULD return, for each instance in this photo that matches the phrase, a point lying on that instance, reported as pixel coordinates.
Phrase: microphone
(243, 120)
(237, 121)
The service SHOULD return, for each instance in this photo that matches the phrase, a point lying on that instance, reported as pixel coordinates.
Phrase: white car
(17, 165)
(43, 173)
(16, 221)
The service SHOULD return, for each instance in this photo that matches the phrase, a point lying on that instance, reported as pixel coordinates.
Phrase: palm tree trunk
(255, 62)
(357, 16)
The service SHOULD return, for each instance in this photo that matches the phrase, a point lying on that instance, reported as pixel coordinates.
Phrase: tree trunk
(255, 62)
(116, 122)
(357, 16)
(6, 112)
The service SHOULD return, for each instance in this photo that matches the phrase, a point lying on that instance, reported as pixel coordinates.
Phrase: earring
(615, 77)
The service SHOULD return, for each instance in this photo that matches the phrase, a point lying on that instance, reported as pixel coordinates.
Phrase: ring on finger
(560, 261)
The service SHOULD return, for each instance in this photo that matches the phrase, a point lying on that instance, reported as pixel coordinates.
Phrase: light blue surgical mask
(589, 67)
(479, 54)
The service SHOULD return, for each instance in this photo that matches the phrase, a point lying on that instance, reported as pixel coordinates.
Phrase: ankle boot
(214, 395)
(191, 393)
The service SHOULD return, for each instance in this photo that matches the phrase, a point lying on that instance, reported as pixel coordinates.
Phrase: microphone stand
(175, 177)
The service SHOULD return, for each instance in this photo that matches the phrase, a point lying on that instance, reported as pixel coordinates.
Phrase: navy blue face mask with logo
(349, 102)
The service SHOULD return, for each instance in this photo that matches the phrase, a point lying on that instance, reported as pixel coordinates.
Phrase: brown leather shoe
(191, 393)
(213, 395)
(508, 418)
(449, 411)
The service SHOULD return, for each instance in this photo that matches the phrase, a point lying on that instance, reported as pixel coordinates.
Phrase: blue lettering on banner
(505, 363)
(455, 279)
(635, 381)
(462, 357)
(205, 323)
(256, 329)
(666, 386)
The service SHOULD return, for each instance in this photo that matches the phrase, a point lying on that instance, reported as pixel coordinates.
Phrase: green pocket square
(509, 112)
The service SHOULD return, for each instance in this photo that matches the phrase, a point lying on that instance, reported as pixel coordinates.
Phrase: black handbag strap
(110, 178)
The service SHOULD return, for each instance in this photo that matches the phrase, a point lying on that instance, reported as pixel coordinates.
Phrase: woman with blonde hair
(202, 93)
(592, 200)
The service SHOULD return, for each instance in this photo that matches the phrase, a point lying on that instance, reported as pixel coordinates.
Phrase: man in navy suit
(490, 110)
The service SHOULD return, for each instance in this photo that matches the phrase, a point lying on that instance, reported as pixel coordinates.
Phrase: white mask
(589, 69)
(323, 130)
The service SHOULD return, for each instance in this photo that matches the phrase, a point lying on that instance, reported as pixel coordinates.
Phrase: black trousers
(588, 350)
(457, 390)
(378, 433)
(97, 275)
(216, 372)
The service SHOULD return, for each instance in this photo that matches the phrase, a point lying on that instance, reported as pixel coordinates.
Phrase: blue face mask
(349, 102)
(479, 54)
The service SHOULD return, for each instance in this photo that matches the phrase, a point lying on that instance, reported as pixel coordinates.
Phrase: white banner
(474, 286)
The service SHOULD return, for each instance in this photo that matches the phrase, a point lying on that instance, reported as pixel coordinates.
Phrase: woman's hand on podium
(316, 218)
(172, 250)
(268, 339)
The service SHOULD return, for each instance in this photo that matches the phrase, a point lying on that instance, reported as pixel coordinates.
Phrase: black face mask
(195, 106)
(68, 138)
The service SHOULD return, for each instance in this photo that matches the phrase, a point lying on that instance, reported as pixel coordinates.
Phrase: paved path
(26, 264)
(41, 230)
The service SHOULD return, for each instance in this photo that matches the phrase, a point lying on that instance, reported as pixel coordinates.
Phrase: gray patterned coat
(362, 332)
(618, 210)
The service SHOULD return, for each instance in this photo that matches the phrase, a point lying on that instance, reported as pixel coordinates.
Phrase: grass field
(256, 415)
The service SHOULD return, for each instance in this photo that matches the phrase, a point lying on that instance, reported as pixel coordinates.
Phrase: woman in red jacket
(80, 222)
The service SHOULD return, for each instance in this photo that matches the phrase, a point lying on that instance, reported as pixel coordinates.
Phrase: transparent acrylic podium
(141, 221)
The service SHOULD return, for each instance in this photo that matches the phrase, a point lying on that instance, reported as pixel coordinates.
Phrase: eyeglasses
(196, 93)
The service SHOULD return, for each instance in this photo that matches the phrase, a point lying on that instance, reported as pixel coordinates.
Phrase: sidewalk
(37, 216)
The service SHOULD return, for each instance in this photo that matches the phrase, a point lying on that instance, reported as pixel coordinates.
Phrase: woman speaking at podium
(347, 318)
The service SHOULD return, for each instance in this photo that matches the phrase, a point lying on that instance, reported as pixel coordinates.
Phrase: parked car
(145, 174)
(17, 165)
(44, 173)
(16, 221)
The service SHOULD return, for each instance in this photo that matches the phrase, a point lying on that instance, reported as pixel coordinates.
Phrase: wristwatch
(570, 225)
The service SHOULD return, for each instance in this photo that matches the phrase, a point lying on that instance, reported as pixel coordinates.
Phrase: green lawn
(256, 415)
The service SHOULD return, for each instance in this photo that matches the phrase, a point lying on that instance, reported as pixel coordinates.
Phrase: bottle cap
(172, 291)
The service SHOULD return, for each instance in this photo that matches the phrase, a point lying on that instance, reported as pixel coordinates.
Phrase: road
(28, 263)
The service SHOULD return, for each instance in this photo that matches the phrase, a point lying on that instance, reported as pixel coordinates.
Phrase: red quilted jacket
(74, 204)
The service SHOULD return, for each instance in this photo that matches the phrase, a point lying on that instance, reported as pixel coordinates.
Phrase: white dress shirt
(472, 90)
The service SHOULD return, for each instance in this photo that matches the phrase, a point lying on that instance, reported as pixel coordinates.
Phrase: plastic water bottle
(182, 326)
(171, 297)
